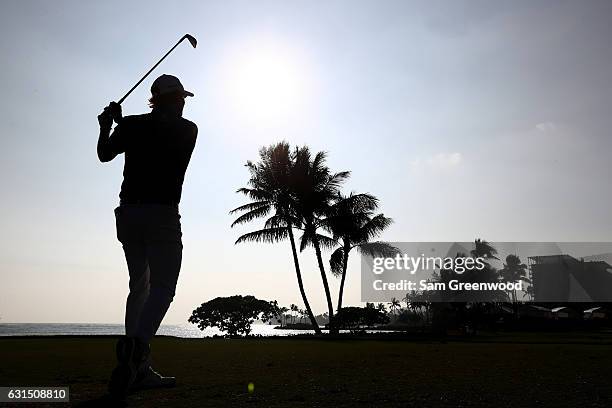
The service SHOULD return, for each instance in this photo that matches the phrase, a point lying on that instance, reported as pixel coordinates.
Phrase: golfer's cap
(166, 84)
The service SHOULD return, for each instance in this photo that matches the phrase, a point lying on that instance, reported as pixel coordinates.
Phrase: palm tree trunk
(344, 267)
(514, 304)
(300, 283)
(330, 307)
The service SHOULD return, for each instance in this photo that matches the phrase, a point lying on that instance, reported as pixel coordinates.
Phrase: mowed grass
(489, 372)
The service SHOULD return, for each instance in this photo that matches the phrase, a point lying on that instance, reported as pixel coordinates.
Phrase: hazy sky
(468, 119)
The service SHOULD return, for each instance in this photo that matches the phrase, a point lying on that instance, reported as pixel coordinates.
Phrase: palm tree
(269, 189)
(302, 314)
(407, 299)
(395, 305)
(381, 308)
(315, 187)
(514, 270)
(529, 292)
(294, 311)
(419, 303)
(325, 317)
(283, 316)
(483, 249)
(352, 222)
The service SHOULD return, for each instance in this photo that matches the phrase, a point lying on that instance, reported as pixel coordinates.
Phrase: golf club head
(191, 39)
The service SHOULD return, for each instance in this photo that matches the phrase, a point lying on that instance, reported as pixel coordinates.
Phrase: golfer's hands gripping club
(111, 113)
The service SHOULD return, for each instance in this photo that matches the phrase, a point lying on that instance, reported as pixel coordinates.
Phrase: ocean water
(94, 329)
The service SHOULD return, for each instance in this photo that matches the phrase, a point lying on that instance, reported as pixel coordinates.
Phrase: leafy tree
(234, 314)
(420, 303)
(325, 317)
(270, 189)
(353, 224)
(354, 318)
(407, 316)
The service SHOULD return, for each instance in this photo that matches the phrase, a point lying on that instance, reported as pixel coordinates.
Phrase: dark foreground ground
(553, 370)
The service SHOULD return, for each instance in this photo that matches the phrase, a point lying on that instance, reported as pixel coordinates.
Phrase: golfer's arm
(194, 138)
(105, 150)
(191, 145)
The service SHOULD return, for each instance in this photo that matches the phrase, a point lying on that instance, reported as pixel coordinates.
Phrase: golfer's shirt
(157, 153)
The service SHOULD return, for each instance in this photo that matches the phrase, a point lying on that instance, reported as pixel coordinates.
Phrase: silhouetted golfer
(157, 148)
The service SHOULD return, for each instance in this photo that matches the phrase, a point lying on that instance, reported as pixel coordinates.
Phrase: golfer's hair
(166, 99)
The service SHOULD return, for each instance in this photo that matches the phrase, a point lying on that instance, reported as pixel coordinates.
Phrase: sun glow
(265, 85)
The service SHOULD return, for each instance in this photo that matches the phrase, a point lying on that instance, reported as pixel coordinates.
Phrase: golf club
(193, 43)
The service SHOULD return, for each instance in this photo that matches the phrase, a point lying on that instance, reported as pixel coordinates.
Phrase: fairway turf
(516, 371)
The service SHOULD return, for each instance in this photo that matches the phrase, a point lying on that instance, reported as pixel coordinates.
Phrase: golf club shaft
(151, 70)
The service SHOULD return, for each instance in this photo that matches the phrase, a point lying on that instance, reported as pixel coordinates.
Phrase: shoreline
(603, 338)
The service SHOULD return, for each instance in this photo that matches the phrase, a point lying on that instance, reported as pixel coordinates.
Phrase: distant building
(564, 313)
(595, 313)
(534, 311)
(563, 278)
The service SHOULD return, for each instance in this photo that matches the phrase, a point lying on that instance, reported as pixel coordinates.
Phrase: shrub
(353, 318)
(235, 314)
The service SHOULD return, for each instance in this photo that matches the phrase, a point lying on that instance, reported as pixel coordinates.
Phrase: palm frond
(268, 235)
(373, 228)
(336, 262)
(326, 242)
(255, 194)
(275, 221)
(250, 206)
(251, 215)
(356, 202)
(483, 248)
(308, 237)
(305, 241)
(348, 214)
(318, 163)
(378, 249)
(334, 182)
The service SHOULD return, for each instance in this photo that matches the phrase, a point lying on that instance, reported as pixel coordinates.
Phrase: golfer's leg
(135, 255)
(129, 233)
(164, 253)
(130, 354)
(165, 264)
